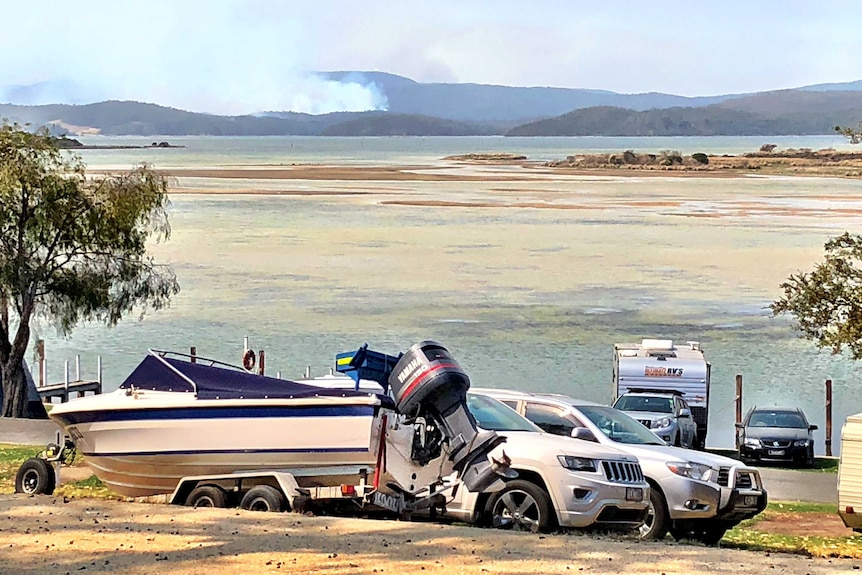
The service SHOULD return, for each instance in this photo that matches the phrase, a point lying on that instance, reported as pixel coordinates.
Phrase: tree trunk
(15, 392)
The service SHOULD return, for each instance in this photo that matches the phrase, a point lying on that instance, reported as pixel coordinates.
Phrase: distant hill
(439, 109)
(388, 124)
(490, 103)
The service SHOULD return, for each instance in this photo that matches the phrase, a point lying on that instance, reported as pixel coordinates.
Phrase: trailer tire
(263, 498)
(35, 477)
(207, 496)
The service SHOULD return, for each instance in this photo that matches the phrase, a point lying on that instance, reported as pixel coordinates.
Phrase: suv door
(687, 426)
(550, 419)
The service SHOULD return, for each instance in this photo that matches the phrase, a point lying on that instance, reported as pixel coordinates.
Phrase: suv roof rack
(655, 390)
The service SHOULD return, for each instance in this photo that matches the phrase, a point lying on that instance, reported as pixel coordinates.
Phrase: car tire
(263, 498)
(520, 506)
(656, 523)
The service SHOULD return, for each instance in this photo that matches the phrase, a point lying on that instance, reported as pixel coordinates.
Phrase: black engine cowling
(428, 382)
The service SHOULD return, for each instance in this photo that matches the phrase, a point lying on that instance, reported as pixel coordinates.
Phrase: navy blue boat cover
(222, 383)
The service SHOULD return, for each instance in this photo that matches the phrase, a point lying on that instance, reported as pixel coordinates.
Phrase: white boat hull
(143, 445)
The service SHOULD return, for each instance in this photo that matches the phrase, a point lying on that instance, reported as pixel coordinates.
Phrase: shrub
(700, 158)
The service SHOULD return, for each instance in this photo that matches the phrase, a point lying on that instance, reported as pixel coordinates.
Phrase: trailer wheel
(207, 496)
(35, 476)
(263, 498)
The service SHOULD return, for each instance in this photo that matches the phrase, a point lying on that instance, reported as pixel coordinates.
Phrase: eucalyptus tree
(827, 301)
(72, 248)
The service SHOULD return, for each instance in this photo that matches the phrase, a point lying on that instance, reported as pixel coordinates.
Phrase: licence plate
(634, 494)
(776, 452)
(389, 502)
(750, 500)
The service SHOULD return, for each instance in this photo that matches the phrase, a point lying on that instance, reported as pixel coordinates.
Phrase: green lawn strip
(747, 536)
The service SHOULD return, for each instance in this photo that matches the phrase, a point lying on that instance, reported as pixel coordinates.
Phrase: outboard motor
(427, 382)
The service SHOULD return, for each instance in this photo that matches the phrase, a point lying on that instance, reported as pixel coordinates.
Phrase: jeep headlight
(574, 463)
(690, 469)
(663, 422)
(752, 442)
(800, 443)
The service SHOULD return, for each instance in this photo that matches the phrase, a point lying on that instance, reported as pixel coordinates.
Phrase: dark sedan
(779, 434)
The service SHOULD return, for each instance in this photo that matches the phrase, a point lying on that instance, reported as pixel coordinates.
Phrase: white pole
(99, 367)
(66, 377)
(77, 368)
(45, 369)
(244, 344)
(278, 375)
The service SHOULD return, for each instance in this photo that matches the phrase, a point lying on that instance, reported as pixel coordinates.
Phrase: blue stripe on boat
(217, 412)
(227, 451)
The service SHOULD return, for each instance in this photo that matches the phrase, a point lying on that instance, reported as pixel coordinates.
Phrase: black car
(779, 434)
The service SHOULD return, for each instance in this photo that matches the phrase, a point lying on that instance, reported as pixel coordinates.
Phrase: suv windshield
(618, 426)
(645, 403)
(492, 415)
(789, 419)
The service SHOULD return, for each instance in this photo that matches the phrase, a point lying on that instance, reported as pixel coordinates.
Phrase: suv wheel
(655, 525)
(520, 506)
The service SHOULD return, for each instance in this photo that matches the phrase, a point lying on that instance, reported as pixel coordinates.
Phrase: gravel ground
(44, 534)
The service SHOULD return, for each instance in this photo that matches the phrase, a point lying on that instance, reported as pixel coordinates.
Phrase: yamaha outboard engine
(427, 382)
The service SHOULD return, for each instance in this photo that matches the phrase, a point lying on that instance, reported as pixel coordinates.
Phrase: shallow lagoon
(529, 282)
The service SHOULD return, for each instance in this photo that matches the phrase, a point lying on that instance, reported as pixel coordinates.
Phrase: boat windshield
(618, 426)
(492, 415)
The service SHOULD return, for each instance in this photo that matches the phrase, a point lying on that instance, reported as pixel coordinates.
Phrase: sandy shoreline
(44, 534)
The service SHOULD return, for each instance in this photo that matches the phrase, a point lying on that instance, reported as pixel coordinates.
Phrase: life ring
(248, 359)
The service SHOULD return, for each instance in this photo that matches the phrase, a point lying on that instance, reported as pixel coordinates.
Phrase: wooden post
(194, 353)
(260, 362)
(828, 418)
(738, 408)
(40, 357)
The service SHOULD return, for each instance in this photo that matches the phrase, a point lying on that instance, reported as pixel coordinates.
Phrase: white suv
(561, 481)
(693, 495)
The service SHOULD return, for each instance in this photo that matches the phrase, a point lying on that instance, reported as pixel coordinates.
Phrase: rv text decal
(662, 371)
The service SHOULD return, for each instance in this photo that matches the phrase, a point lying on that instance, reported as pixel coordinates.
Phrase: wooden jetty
(68, 388)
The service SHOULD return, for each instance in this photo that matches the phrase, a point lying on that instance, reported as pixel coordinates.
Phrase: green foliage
(11, 458)
(827, 301)
(855, 136)
(72, 248)
(700, 158)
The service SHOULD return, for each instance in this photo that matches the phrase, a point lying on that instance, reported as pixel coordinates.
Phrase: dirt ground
(805, 524)
(46, 534)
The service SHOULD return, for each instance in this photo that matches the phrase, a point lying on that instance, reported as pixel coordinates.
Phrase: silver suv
(663, 411)
(693, 494)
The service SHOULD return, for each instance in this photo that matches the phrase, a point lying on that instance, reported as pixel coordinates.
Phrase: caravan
(850, 473)
(658, 364)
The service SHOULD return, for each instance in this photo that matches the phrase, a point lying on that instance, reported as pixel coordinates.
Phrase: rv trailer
(659, 364)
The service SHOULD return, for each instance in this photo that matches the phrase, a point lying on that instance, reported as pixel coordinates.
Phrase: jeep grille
(623, 471)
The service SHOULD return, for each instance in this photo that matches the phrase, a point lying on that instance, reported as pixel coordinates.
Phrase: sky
(246, 56)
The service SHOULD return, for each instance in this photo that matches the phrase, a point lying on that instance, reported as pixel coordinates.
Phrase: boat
(178, 416)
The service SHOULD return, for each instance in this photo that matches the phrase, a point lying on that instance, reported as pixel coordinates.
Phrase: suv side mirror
(583, 433)
(812, 427)
(685, 412)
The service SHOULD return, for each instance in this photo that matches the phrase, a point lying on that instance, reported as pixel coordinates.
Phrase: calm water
(530, 293)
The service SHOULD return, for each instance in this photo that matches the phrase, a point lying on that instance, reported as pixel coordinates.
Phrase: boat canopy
(159, 373)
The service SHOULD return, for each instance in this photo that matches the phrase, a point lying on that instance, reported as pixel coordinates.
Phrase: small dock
(68, 388)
